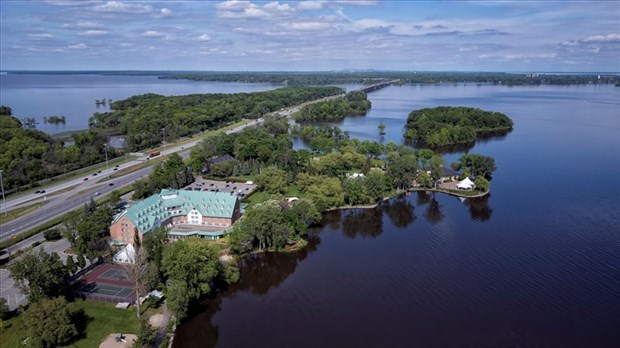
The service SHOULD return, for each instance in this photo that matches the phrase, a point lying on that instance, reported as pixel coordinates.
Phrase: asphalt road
(78, 191)
(74, 193)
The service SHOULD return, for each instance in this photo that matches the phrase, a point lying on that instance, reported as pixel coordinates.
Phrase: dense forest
(370, 77)
(29, 155)
(354, 103)
(142, 118)
(446, 125)
(306, 78)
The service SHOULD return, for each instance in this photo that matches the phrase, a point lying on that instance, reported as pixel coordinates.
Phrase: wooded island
(448, 125)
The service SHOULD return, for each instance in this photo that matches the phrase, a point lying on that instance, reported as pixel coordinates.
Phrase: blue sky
(311, 35)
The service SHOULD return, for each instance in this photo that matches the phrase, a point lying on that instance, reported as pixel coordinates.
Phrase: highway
(65, 196)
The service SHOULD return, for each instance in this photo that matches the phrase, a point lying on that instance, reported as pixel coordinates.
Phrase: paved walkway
(161, 332)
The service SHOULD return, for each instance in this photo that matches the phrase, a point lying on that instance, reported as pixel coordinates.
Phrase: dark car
(85, 179)
(94, 174)
(42, 191)
(37, 191)
(115, 168)
(111, 184)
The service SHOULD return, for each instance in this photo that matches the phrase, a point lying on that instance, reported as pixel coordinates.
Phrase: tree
(355, 191)
(137, 269)
(92, 232)
(478, 164)
(50, 323)
(272, 180)
(481, 183)
(423, 179)
(190, 264)
(4, 309)
(81, 261)
(72, 219)
(436, 165)
(71, 266)
(381, 128)
(115, 198)
(39, 275)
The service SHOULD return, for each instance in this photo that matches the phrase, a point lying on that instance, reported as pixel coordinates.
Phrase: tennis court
(107, 283)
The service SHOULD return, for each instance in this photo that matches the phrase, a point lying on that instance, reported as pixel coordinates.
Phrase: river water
(536, 263)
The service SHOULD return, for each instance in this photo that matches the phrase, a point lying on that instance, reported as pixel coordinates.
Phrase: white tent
(466, 184)
(126, 255)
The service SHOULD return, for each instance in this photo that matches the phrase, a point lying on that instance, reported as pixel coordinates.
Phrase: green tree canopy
(190, 264)
(39, 275)
(50, 323)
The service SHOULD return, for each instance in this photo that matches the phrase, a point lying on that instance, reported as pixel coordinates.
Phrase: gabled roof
(150, 212)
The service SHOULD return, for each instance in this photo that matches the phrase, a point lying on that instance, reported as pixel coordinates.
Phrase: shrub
(52, 234)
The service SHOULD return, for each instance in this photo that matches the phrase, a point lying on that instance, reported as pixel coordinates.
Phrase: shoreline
(414, 189)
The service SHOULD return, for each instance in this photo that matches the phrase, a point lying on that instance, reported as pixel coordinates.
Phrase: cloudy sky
(311, 35)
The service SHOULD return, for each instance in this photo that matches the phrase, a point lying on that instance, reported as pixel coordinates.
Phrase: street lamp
(3, 198)
(163, 131)
(107, 168)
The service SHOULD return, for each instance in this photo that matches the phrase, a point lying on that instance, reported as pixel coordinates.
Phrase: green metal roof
(149, 213)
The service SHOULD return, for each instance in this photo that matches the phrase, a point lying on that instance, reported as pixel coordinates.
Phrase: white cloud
(359, 2)
(93, 33)
(40, 36)
(204, 37)
(163, 13)
(121, 7)
(79, 46)
(152, 34)
(603, 38)
(307, 26)
(310, 5)
(245, 9)
(233, 5)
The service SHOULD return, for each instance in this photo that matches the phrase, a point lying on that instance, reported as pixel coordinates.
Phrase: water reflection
(433, 213)
(479, 208)
(362, 222)
(259, 275)
(400, 211)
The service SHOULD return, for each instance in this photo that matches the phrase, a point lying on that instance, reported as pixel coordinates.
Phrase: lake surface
(73, 96)
(536, 263)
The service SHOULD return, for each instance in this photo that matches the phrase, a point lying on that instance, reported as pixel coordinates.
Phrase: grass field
(103, 319)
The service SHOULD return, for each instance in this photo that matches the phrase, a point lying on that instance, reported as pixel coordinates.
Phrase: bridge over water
(377, 86)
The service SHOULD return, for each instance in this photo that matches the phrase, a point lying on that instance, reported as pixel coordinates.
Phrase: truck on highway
(154, 154)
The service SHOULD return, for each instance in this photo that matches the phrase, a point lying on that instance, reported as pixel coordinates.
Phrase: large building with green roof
(184, 213)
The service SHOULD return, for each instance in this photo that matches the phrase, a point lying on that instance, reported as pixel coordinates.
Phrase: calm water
(536, 264)
(74, 96)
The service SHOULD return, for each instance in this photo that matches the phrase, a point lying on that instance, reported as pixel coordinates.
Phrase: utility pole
(163, 131)
(3, 198)
(107, 168)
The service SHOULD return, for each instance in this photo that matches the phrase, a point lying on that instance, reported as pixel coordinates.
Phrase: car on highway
(97, 193)
(111, 184)
(99, 172)
(85, 179)
(115, 168)
(42, 191)
(94, 174)
(37, 191)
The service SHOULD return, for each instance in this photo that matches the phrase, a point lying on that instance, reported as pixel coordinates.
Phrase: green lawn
(103, 319)
(261, 196)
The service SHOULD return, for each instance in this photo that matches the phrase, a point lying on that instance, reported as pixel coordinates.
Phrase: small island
(355, 103)
(447, 125)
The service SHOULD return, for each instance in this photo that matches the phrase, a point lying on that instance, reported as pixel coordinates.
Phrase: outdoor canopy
(466, 184)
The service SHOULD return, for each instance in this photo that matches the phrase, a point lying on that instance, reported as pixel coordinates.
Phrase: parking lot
(238, 188)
